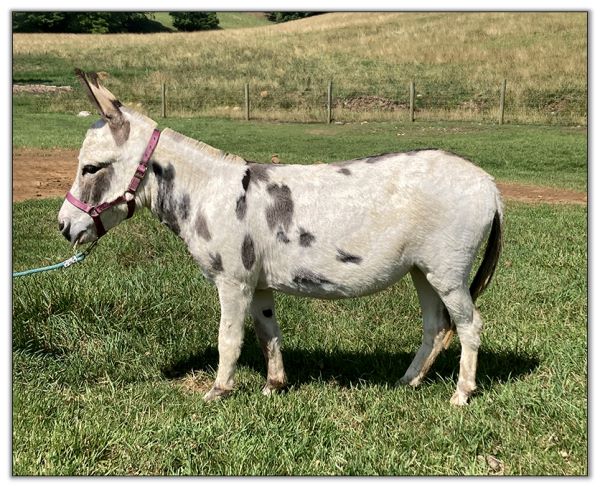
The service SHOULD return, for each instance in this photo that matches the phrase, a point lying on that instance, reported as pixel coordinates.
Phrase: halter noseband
(96, 211)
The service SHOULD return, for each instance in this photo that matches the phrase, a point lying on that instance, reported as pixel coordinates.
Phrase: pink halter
(96, 211)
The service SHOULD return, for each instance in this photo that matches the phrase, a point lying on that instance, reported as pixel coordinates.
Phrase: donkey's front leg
(268, 333)
(235, 299)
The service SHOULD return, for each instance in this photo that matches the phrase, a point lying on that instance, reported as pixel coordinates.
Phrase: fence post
(163, 100)
(502, 96)
(412, 101)
(329, 95)
(247, 100)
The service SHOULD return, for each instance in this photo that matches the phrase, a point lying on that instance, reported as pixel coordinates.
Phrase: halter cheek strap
(96, 211)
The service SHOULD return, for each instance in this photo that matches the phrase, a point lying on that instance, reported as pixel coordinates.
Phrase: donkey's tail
(484, 274)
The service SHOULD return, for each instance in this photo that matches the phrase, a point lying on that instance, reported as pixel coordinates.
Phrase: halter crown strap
(95, 211)
(143, 165)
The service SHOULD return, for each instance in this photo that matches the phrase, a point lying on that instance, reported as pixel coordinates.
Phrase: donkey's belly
(328, 285)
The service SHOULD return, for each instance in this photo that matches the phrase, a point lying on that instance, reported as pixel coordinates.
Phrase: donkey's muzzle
(65, 229)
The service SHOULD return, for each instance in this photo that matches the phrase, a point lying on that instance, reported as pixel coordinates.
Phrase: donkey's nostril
(61, 225)
(65, 230)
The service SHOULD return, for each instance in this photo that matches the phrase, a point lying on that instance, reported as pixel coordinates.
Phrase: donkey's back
(355, 227)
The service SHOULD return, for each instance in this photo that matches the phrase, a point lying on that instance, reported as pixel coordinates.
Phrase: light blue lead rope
(78, 257)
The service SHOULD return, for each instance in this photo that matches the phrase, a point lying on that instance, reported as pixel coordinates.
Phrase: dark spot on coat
(166, 206)
(240, 207)
(282, 237)
(347, 258)
(248, 256)
(160, 172)
(344, 171)
(216, 262)
(267, 313)
(380, 157)
(306, 238)
(260, 172)
(306, 277)
(246, 179)
(282, 209)
(184, 207)
(95, 186)
(202, 226)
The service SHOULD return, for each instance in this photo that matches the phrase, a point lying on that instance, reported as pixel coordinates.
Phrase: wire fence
(340, 102)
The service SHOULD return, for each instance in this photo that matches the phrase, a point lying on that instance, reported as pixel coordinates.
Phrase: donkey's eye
(90, 169)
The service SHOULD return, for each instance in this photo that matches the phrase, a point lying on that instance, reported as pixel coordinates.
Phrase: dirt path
(527, 193)
(39, 173)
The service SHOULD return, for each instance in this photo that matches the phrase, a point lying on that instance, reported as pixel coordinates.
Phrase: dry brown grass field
(457, 61)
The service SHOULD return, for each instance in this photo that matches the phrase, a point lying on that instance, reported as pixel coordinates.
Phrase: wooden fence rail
(502, 97)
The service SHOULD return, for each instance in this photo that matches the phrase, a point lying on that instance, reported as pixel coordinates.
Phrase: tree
(189, 21)
(287, 16)
(84, 22)
(38, 21)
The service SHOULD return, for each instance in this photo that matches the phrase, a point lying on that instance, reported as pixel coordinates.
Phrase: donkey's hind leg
(436, 327)
(468, 326)
(268, 333)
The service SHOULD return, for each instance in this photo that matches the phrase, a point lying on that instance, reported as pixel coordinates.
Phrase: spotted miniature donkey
(330, 231)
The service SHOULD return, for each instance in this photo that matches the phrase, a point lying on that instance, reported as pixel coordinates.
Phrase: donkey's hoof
(271, 388)
(407, 380)
(216, 393)
(459, 398)
(268, 391)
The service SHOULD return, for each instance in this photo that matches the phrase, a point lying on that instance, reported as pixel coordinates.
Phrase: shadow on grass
(377, 367)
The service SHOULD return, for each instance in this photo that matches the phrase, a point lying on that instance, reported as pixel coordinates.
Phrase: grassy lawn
(555, 156)
(110, 359)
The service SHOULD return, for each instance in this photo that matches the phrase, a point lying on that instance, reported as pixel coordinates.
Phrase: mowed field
(457, 71)
(111, 357)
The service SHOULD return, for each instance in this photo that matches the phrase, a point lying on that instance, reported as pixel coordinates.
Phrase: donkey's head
(109, 156)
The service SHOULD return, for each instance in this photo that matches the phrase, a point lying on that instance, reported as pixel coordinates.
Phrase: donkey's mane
(188, 142)
(137, 115)
(205, 149)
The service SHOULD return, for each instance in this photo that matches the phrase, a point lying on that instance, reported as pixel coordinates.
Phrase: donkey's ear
(107, 105)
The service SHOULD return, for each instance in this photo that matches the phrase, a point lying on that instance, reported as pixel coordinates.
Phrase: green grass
(227, 20)
(107, 354)
(458, 72)
(241, 20)
(555, 156)
(111, 357)
(165, 19)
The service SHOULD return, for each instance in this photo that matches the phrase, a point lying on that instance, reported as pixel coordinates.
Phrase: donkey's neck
(197, 152)
(183, 175)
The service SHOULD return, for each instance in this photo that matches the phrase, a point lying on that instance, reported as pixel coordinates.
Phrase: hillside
(242, 20)
(456, 59)
(227, 20)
